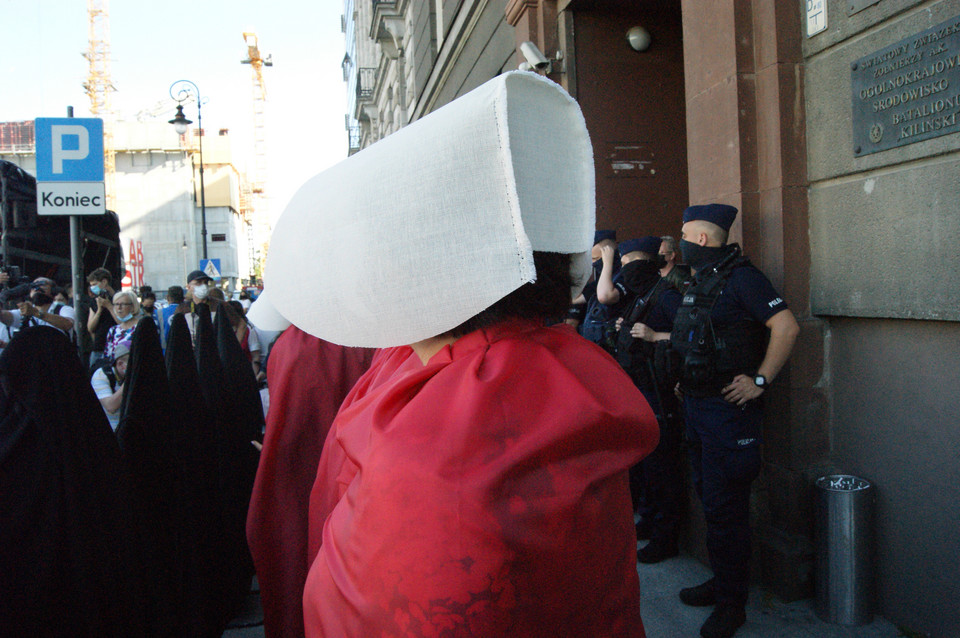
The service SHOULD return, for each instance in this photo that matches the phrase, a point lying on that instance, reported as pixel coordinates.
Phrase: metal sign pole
(76, 274)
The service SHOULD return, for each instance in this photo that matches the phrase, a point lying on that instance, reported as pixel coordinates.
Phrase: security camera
(534, 57)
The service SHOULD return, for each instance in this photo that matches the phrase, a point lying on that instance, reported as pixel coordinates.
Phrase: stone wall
(884, 227)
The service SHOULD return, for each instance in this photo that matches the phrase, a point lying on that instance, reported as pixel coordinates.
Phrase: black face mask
(40, 298)
(697, 256)
(639, 276)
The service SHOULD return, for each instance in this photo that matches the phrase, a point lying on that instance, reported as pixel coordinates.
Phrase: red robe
(484, 493)
(309, 378)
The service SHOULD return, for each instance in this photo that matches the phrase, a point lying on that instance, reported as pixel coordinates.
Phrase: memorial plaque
(908, 92)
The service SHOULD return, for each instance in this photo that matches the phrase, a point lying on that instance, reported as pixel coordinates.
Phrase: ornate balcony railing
(366, 80)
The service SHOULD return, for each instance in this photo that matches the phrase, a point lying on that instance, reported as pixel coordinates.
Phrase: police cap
(600, 235)
(721, 215)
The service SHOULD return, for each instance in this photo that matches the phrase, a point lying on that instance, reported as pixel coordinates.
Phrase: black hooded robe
(151, 441)
(242, 424)
(199, 445)
(229, 460)
(68, 556)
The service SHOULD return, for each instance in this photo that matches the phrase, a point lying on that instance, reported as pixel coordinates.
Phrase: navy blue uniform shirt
(747, 295)
(660, 317)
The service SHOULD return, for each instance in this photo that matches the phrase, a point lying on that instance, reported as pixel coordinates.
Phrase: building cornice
(516, 8)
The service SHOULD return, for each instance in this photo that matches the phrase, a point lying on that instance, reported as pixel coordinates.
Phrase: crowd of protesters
(137, 437)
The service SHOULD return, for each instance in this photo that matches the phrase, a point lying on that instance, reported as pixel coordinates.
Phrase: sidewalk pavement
(249, 623)
(664, 616)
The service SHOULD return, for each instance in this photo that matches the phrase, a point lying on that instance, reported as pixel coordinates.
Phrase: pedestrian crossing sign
(211, 268)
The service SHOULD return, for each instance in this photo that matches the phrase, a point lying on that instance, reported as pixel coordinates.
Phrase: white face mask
(126, 318)
(200, 292)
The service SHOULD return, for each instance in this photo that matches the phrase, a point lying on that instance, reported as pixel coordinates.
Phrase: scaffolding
(259, 226)
(99, 87)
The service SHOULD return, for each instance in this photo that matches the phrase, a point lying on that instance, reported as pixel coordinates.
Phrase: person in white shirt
(40, 309)
(107, 382)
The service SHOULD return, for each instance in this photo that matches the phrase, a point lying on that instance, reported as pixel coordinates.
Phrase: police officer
(594, 312)
(647, 320)
(726, 362)
(676, 273)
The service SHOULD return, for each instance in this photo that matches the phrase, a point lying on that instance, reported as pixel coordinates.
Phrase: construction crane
(99, 87)
(258, 227)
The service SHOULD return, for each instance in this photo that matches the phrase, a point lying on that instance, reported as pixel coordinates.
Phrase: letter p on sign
(58, 150)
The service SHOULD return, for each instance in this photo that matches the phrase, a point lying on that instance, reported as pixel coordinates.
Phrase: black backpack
(105, 364)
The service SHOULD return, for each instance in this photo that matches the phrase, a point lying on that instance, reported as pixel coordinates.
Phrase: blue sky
(42, 70)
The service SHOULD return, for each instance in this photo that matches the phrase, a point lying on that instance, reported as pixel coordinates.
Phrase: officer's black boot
(724, 621)
(702, 595)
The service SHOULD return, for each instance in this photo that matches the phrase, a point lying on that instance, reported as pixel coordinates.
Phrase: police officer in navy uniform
(727, 362)
(643, 334)
(594, 312)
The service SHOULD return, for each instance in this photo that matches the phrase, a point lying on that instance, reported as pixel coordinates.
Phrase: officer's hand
(642, 331)
(619, 323)
(677, 392)
(606, 252)
(741, 390)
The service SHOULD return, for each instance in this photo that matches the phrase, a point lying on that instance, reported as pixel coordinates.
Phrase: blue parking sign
(69, 149)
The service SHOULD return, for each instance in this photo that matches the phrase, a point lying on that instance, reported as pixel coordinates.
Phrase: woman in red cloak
(473, 483)
(309, 378)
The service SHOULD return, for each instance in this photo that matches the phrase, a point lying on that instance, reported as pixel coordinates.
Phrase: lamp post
(181, 91)
(184, 247)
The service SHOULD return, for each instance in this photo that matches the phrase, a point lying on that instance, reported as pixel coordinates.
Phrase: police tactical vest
(632, 354)
(599, 325)
(710, 356)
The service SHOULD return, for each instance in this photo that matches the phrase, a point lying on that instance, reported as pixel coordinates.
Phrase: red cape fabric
(484, 493)
(309, 379)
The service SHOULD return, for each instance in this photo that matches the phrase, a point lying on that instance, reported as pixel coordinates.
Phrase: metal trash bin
(845, 576)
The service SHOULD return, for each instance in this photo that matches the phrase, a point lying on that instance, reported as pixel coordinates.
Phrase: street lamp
(184, 247)
(181, 91)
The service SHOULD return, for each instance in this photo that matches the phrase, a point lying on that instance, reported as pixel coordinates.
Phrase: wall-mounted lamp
(639, 39)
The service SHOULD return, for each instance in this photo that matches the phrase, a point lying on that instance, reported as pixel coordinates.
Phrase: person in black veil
(152, 446)
(229, 461)
(67, 543)
(242, 425)
(199, 447)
